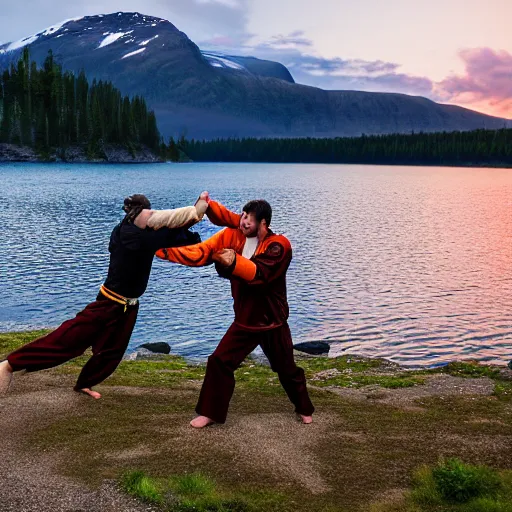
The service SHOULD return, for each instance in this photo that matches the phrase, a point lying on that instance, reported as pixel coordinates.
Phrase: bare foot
(5, 377)
(306, 419)
(90, 392)
(201, 422)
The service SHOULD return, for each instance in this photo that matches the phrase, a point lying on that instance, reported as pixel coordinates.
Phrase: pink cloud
(486, 84)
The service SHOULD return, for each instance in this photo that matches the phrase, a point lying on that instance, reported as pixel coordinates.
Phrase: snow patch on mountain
(111, 38)
(16, 45)
(21, 43)
(55, 28)
(219, 60)
(133, 53)
(144, 43)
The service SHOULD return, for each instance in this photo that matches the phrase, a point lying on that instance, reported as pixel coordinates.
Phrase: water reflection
(411, 264)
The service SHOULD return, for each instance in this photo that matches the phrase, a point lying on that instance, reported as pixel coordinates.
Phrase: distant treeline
(479, 147)
(48, 108)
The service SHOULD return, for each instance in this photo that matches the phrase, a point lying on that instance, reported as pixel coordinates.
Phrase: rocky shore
(109, 154)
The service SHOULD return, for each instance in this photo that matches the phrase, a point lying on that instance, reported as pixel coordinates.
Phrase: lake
(412, 264)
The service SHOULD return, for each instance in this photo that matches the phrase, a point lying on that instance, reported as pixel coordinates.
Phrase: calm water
(411, 264)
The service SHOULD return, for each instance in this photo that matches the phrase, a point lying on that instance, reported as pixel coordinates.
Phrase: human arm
(179, 217)
(221, 216)
(261, 269)
(175, 218)
(199, 255)
(165, 237)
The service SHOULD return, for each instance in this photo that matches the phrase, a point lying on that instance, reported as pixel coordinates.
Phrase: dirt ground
(62, 451)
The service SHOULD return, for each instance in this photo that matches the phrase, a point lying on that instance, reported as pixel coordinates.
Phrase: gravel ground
(28, 481)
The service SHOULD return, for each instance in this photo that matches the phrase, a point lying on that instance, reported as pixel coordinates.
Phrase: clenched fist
(225, 257)
(202, 204)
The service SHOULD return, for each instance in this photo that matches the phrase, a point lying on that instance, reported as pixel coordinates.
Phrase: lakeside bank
(375, 425)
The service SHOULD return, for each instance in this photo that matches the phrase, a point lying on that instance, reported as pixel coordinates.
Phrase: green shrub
(459, 482)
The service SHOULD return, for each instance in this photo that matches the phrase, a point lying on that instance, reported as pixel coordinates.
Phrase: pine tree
(46, 108)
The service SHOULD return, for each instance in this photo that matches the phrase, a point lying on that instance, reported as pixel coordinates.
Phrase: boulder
(158, 348)
(314, 348)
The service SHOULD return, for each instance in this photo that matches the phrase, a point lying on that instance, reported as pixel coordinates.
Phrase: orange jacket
(258, 284)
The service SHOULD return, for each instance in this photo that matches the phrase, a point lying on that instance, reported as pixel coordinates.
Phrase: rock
(326, 374)
(258, 358)
(506, 373)
(315, 348)
(13, 153)
(158, 348)
(111, 153)
(141, 353)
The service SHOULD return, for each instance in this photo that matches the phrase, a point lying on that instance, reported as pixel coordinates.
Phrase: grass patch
(384, 381)
(458, 482)
(196, 492)
(164, 372)
(142, 487)
(10, 341)
(503, 391)
(192, 485)
(471, 369)
(455, 485)
(345, 371)
(356, 372)
(313, 365)
(425, 491)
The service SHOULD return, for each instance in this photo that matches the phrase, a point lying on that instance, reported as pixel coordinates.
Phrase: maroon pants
(103, 325)
(235, 346)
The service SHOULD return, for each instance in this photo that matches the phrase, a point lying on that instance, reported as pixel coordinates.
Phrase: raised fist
(225, 257)
(205, 196)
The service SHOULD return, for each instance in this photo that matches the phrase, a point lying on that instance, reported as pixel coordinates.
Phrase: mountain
(205, 94)
(253, 65)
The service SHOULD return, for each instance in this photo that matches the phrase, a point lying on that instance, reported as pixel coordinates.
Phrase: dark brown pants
(102, 325)
(235, 346)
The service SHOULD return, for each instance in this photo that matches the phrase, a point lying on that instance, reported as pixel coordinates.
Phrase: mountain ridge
(208, 94)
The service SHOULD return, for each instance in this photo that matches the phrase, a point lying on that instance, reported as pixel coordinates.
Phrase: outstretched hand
(225, 257)
(202, 204)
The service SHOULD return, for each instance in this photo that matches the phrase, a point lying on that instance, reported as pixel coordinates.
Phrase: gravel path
(28, 481)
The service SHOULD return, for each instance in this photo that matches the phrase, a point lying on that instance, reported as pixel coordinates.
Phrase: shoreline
(320, 361)
(112, 153)
(139, 352)
(117, 154)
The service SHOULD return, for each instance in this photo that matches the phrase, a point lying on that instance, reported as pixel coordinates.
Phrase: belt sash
(124, 301)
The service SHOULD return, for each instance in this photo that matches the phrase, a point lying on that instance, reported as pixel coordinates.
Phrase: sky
(451, 51)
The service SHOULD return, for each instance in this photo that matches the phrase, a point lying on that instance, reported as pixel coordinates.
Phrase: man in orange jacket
(255, 260)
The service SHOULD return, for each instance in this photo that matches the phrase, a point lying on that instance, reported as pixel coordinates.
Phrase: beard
(249, 233)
